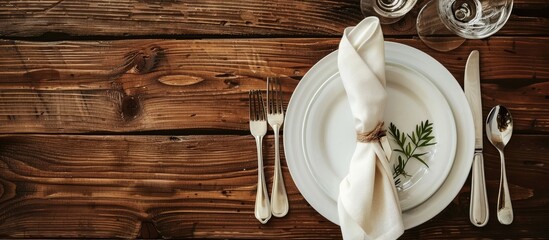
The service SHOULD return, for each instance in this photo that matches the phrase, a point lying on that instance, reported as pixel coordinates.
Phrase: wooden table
(129, 119)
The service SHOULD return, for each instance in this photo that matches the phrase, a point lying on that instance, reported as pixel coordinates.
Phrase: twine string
(373, 135)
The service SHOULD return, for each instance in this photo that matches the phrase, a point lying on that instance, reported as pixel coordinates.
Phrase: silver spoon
(499, 128)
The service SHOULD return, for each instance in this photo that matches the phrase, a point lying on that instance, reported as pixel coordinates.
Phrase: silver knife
(478, 211)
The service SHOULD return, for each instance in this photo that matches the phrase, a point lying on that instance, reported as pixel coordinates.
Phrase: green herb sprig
(408, 145)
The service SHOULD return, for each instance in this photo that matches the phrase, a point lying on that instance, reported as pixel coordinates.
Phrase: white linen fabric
(368, 204)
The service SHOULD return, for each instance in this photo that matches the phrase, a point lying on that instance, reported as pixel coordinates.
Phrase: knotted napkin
(368, 204)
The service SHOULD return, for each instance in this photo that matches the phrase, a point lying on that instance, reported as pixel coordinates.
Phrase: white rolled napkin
(368, 203)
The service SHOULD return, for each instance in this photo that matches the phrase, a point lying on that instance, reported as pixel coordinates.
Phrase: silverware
(275, 117)
(499, 128)
(478, 211)
(258, 128)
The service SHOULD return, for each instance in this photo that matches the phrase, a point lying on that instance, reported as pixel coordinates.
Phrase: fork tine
(256, 106)
(269, 93)
(250, 107)
(279, 95)
(275, 95)
(269, 96)
(261, 106)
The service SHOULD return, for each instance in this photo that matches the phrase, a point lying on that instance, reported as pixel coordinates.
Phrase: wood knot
(231, 83)
(248, 17)
(143, 61)
(180, 80)
(130, 107)
(175, 139)
(149, 230)
(37, 75)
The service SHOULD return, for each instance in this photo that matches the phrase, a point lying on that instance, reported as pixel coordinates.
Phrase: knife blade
(478, 211)
(472, 93)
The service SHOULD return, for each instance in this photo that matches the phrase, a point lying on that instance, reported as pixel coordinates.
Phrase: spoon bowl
(499, 128)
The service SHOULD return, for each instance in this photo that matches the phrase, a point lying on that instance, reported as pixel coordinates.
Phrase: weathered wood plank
(213, 18)
(148, 85)
(204, 186)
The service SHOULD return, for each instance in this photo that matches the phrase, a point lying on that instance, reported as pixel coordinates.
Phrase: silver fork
(258, 128)
(275, 117)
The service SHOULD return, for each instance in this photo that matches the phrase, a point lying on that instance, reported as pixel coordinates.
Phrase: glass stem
(464, 10)
(390, 5)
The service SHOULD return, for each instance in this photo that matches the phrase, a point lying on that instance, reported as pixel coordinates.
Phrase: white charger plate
(318, 180)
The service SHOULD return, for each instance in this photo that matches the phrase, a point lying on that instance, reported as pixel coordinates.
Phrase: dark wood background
(128, 119)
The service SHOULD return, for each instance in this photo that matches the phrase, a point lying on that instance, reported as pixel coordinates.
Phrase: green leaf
(421, 137)
(403, 139)
(419, 154)
(421, 160)
(413, 138)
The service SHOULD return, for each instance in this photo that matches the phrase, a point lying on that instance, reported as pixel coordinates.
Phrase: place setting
(320, 130)
(379, 137)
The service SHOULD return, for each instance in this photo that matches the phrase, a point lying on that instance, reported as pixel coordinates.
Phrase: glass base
(443, 43)
(433, 32)
(388, 11)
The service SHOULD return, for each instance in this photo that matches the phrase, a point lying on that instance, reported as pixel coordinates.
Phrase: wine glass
(388, 11)
(444, 25)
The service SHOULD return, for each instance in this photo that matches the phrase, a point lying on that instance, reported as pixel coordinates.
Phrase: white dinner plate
(317, 166)
(329, 137)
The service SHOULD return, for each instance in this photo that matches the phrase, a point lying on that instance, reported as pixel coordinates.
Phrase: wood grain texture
(141, 137)
(29, 18)
(204, 187)
(150, 85)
